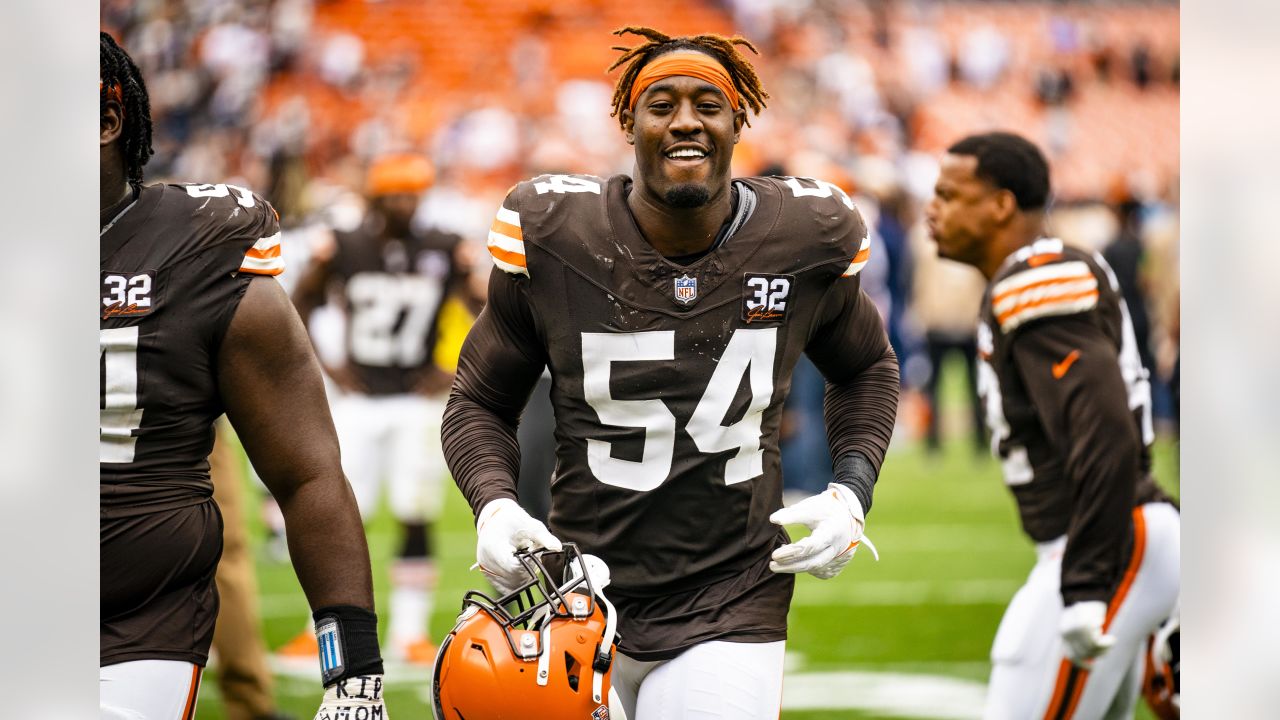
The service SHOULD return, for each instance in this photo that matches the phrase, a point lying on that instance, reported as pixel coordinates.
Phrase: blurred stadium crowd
(294, 98)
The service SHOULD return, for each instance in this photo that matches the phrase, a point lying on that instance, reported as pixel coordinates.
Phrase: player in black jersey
(392, 279)
(671, 309)
(1068, 405)
(192, 326)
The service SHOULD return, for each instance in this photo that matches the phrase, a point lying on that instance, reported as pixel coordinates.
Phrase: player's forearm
(1103, 469)
(327, 542)
(860, 412)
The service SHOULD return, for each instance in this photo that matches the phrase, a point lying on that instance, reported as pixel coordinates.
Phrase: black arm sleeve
(851, 350)
(1072, 375)
(500, 363)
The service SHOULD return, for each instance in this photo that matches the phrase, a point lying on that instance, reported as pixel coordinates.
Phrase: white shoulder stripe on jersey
(1037, 293)
(1056, 271)
(506, 242)
(267, 243)
(510, 217)
(1061, 307)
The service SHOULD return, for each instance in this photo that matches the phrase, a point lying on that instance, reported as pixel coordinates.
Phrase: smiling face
(683, 129)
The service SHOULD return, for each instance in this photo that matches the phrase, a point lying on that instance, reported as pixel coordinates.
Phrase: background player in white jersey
(671, 309)
(390, 281)
(1069, 408)
(194, 325)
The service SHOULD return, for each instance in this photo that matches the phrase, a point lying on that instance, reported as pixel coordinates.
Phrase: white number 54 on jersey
(749, 352)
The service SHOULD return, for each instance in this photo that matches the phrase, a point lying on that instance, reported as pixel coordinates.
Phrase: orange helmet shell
(488, 668)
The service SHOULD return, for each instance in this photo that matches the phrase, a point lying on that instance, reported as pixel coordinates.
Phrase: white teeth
(686, 153)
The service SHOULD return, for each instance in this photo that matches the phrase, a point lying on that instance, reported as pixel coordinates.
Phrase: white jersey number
(749, 353)
(390, 318)
(119, 415)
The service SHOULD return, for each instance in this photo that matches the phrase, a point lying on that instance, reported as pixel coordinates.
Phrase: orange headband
(113, 92)
(692, 64)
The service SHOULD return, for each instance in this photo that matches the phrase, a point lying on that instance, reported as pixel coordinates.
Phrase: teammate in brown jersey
(194, 326)
(1068, 405)
(671, 309)
(393, 279)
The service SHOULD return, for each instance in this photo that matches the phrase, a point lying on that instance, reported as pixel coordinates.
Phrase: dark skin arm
(270, 383)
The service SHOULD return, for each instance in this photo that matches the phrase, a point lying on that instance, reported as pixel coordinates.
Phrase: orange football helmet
(550, 659)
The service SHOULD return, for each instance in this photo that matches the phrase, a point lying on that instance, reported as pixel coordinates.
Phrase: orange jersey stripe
(1044, 301)
(271, 252)
(1059, 687)
(862, 255)
(254, 271)
(1041, 283)
(507, 256)
(511, 231)
(1131, 572)
(190, 709)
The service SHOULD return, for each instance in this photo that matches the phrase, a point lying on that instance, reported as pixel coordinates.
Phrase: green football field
(893, 639)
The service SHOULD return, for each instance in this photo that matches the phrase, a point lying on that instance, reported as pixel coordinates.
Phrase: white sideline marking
(905, 695)
(897, 694)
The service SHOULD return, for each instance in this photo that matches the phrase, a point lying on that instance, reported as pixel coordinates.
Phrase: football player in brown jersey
(1068, 405)
(670, 309)
(192, 326)
(393, 280)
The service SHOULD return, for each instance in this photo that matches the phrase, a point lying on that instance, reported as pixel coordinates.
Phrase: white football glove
(355, 697)
(502, 528)
(835, 520)
(1082, 636)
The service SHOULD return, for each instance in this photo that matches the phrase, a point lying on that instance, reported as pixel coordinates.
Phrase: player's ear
(110, 123)
(629, 126)
(739, 119)
(1006, 206)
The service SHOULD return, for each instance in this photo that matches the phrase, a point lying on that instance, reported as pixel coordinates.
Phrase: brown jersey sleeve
(1072, 376)
(500, 363)
(851, 350)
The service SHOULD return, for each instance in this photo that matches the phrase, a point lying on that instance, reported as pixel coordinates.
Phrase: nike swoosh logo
(1038, 260)
(1061, 368)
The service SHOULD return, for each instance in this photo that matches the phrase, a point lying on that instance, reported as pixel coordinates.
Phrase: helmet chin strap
(605, 656)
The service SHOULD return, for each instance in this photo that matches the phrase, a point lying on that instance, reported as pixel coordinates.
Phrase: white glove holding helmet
(1081, 628)
(502, 528)
(835, 520)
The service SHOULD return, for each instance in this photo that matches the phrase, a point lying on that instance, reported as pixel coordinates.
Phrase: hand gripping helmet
(543, 652)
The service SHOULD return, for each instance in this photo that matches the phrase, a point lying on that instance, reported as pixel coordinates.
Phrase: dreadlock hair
(122, 81)
(658, 43)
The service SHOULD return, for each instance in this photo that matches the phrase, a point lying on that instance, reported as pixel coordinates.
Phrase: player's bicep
(271, 386)
(850, 334)
(503, 355)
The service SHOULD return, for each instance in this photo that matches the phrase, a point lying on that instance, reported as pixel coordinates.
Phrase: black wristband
(348, 637)
(855, 471)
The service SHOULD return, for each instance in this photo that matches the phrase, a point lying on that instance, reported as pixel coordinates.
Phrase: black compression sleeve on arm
(856, 471)
(348, 637)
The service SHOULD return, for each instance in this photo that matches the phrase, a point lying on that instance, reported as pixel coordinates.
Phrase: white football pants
(1030, 676)
(395, 438)
(148, 690)
(714, 680)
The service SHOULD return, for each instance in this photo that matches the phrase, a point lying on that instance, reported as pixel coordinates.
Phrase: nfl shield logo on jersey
(686, 289)
(601, 713)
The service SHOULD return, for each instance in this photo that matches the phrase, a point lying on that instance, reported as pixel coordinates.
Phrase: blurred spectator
(1126, 256)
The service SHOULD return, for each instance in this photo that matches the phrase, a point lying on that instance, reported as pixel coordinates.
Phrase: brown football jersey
(174, 267)
(668, 387)
(1069, 407)
(392, 294)
(175, 264)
